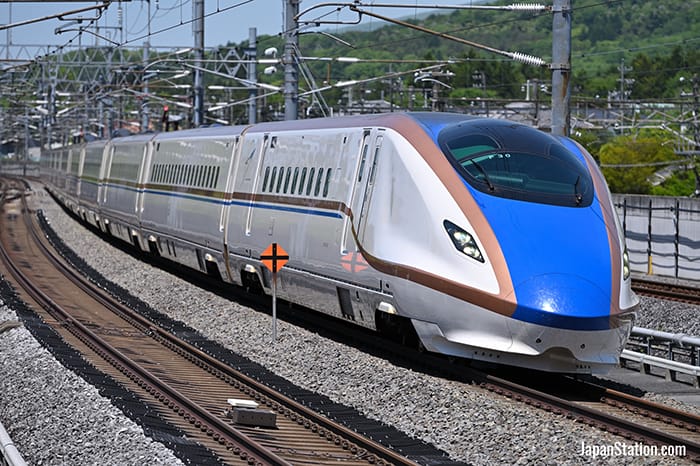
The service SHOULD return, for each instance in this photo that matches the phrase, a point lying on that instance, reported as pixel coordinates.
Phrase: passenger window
(327, 183)
(279, 180)
(286, 179)
(317, 189)
(301, 181)
(373, 170)
(294, 180)
(274, 177)
(265, 178)
(362, 164)
(311, 181)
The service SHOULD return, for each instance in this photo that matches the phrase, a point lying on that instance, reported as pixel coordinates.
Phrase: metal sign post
(274, 258)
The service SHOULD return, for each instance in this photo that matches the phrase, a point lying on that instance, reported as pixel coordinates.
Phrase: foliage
(602, 33)
(628, 162)
(682, 183)
(592, 141)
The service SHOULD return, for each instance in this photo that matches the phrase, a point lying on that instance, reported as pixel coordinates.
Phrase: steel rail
(371, 450)
(340, 432)
(673, 291)
(669, 415)
(591, 416)
(247, 447)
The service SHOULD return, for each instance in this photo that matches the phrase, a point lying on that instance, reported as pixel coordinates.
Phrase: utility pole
(291, 68)
(696, 109)
(145, 118)
(252, 75)
(561, 67)
(623, 92)
(198, 26)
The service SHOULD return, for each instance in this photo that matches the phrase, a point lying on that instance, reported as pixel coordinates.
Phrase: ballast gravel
(54, 417)
(469, 423)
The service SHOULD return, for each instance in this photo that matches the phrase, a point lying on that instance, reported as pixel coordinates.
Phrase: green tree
(629, 161)
(682, 183)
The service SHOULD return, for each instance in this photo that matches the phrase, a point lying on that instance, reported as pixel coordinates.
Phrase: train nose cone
(563, 301)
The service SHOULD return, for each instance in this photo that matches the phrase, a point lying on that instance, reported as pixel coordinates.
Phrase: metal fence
(676, 355)
(662, 234)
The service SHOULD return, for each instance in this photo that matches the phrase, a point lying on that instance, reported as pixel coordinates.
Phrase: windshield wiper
(483, 172)
(578, 195)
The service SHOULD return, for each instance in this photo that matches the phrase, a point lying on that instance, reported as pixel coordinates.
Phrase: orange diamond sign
(274, 257)
(354, 262)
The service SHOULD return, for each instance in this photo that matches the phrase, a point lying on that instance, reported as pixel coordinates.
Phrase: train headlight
(463, 241)
(625, 265)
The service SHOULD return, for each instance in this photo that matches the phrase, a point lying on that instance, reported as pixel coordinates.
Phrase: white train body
(365, 207)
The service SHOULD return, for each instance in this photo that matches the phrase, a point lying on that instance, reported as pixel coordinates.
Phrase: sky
(171, 25)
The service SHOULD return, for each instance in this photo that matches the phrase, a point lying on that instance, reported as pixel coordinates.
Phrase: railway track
(183, 384)
(631, 418)
(656, 426)
(672, 291)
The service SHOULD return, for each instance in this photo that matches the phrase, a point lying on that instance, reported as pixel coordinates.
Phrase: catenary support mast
(561, 67)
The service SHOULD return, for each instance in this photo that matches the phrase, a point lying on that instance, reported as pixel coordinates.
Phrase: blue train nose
(563, 301)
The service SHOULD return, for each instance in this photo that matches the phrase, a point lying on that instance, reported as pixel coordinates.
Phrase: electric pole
(561, 67)
(291, 68)
(198, 26)
(252, 75)
(623, 92)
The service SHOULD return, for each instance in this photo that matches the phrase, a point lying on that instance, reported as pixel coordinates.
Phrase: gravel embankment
(469, 423)
(668, 316)
(54, 417)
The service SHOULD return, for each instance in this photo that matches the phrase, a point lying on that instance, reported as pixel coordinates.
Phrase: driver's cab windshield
(517, 162)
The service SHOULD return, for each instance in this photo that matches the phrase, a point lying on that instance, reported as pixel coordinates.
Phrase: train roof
(389, 120)
(207, 131)
(432, 122)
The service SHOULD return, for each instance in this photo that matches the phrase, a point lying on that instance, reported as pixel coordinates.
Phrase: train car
(485, 239)
(59, 170)
(74, 163)
(91, 175)
(185, 196)
(120, 192)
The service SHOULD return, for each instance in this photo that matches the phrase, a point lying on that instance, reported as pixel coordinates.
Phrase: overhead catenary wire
(517, 56)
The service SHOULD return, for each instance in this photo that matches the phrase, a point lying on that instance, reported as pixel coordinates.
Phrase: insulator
(528, 59)
(527, 7)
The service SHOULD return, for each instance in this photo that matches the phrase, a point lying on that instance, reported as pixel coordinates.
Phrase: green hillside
(658, 40)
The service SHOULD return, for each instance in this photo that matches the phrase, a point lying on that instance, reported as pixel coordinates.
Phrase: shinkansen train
(485, 239)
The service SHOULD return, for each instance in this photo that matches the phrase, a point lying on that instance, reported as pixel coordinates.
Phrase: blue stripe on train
(257, 205)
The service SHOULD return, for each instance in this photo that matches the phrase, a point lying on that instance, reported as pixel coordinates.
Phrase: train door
(229, 190)
(365, 181)
(79, 174)
(104, 176)
(231, 173)
(256, 183)
(144, 171)
(358, 191)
